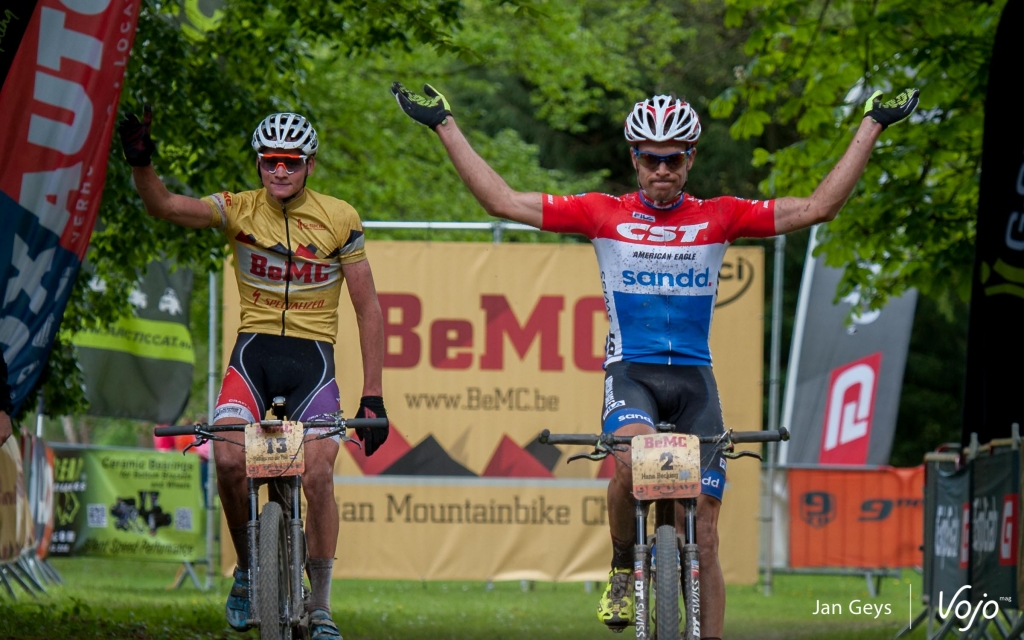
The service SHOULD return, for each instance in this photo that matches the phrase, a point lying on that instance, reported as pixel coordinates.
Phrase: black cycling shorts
(685, 395)
(264, 366)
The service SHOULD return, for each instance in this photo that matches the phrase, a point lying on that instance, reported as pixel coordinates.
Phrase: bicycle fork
(297, 549)
(252, 529)
(642, 574)
(691, 572)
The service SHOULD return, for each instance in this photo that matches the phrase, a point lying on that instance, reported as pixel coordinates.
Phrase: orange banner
(865, 518)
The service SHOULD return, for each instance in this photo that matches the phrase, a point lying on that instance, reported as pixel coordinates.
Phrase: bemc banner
(141, 366)
(58, 105)
(843, 387)
(994, 349)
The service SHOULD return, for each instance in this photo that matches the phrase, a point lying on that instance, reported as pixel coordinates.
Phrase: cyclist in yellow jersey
(293, 247)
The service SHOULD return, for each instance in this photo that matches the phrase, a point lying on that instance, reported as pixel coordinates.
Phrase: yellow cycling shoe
(616, 608)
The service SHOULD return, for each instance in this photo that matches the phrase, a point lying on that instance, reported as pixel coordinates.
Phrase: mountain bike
(277, 545)
(666, 468)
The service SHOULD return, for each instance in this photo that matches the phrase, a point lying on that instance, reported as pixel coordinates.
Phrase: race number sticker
(666, 465)
(273, 452)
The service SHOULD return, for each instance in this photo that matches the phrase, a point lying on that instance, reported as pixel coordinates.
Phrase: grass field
(104, 599)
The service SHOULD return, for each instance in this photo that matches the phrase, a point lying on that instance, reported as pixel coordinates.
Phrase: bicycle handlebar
(199, 428)
(737, 437)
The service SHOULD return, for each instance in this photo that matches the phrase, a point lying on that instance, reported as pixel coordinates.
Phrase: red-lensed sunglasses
(269, 162)
(651, 161)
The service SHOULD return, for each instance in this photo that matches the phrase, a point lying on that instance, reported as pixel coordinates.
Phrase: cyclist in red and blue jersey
(659, 251)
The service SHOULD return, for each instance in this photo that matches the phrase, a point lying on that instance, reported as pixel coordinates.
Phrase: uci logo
(657, 233)
(817, 508)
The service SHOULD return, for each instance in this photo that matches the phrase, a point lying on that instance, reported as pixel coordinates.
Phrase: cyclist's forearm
(161, 203)
(793, 214)
(371, 344)
(835, 189)
(489, 188)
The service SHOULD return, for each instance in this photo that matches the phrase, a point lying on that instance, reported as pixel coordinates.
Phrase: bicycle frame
(283, 489)
(684, 545)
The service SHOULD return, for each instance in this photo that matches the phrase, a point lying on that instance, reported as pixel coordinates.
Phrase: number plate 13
(666, 465)
(270, 453)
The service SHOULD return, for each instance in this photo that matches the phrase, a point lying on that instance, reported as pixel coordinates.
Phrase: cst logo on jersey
(685, 279)
(662, 234)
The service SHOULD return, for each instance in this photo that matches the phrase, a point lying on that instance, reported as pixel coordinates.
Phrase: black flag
(995, 348)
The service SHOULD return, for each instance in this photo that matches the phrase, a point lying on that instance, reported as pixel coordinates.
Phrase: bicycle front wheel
(666, 583)
(272, 573)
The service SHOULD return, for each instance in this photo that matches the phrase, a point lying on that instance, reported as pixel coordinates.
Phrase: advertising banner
(994, 349)
(38, 464)
(141, 367)
(940, 545)
(488, 345)
(951, 541)
(127, 503)
(58, 101)
(995, 526)
(843, 385)
(869, 519)
(15, 520)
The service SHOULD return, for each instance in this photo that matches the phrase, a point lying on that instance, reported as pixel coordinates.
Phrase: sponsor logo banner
(487, 345)
(994, 348)
(59, 101)
(141, 366)
(127, 503)
(843, 387)
(856, 518)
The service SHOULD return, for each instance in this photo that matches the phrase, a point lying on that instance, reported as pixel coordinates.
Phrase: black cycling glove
(135, 141)
(891, 111)
(372, 407)
(431, 109)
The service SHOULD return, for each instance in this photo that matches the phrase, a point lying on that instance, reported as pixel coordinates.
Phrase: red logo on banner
(848, 413)
(1008, 531)
(965, 530)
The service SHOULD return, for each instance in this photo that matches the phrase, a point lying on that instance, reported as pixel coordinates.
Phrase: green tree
(812, 65)
(207, 94)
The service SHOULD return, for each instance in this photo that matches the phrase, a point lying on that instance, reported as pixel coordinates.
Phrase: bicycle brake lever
(596, 454)
(742, 454)
(346, 439)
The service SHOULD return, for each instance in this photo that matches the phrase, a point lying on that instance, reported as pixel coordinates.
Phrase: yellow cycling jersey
(288, 261)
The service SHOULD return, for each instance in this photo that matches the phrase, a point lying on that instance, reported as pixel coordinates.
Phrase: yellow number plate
(666, 465)
(270, 453)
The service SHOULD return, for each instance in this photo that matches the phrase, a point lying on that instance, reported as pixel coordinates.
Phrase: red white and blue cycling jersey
(659, 268)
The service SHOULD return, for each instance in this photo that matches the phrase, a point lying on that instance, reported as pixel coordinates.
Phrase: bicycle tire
(666, 583)
(272, 573)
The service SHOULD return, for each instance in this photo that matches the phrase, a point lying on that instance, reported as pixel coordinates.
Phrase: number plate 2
(666, 465)
(270, 453)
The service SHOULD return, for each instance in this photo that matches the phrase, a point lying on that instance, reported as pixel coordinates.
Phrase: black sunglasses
(651, 161)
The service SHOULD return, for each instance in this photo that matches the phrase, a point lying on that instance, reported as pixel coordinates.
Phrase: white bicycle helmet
(285, 131)
(662, 118)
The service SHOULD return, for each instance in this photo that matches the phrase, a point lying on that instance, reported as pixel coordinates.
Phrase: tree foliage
(812, 65)
(208, 93)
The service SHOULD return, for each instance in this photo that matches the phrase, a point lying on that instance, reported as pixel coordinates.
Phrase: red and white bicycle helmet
(285, 131)
(663, 118)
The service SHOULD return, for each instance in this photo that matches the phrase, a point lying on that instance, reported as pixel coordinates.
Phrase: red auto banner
(59, 104)
(870, 519)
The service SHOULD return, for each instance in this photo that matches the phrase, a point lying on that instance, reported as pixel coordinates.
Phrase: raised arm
(490, 189)
(160, 203)
(793, 214)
